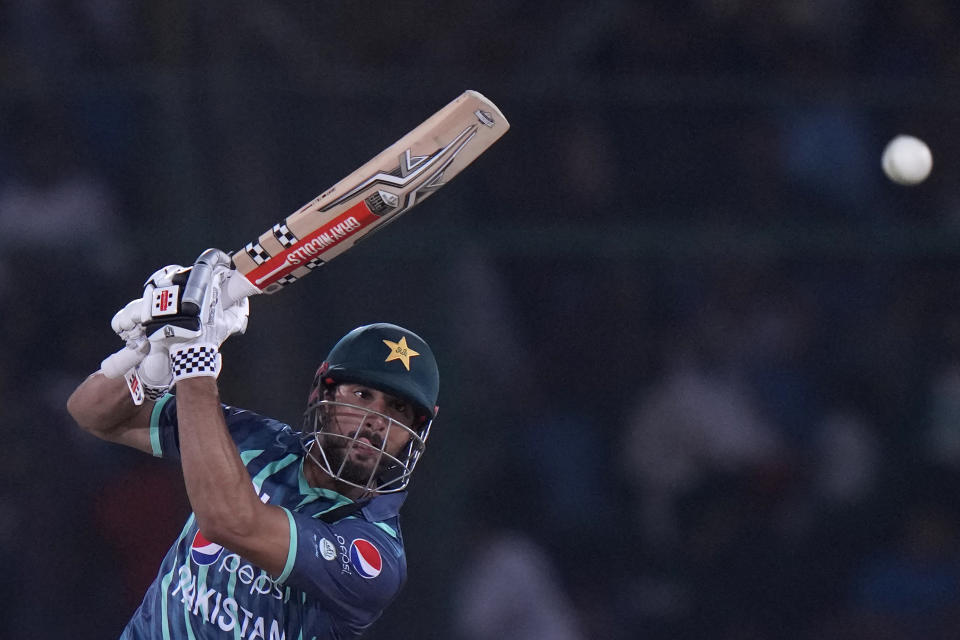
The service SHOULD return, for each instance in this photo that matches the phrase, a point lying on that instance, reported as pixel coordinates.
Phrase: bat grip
(200, 276)
(236, 287)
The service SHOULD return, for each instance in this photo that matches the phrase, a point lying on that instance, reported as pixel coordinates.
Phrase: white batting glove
(218, 322)
(165, 323)
(200, 356)
(127, 324)
(168, 321)
(144, 364)
(153, 372)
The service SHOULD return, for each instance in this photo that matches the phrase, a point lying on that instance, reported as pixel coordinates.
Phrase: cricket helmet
(388, 358)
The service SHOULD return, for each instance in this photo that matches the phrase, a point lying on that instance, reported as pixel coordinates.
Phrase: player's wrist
(154, 393)
(195, 360)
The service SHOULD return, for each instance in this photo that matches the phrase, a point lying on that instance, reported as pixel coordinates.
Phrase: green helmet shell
(389, 358)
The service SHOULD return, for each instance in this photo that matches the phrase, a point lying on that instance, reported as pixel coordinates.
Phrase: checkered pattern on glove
(154, 393)
(195, 360)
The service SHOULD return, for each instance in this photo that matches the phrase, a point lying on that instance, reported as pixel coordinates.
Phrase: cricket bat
(396, 180)
(400, 177)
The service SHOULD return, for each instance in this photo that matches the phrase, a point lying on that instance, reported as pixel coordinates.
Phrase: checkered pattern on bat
(283, 235)
(256, 252)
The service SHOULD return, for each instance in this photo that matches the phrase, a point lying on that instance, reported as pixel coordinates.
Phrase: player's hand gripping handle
(200, 277)
(236, 287)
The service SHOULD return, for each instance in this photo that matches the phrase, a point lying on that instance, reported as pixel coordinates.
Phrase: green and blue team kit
(339, 576)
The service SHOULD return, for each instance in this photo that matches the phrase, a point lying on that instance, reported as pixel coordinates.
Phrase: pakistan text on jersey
(210, 605)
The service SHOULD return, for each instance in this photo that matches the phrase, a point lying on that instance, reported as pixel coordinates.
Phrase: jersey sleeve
(353, 567)
(164, 439)
(248, 430)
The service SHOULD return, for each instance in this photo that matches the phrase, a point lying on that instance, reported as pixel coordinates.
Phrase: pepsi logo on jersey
(203, 551)
(365, 558)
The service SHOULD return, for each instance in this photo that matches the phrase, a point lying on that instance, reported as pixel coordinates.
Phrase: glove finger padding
(126, 324)
(219, 323)
(128, 321)
(126, 359)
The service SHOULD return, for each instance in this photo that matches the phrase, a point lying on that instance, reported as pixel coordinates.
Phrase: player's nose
(376, 418)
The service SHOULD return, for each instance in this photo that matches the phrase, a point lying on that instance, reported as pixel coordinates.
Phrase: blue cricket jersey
(338, 577)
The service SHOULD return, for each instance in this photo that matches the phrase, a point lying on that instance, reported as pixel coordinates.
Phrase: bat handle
(236, 287)
(200, 276)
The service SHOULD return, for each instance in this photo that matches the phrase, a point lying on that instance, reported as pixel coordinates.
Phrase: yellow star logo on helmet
(400, 351)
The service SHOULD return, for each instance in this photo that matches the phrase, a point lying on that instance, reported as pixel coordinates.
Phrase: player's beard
(344, 461)
(344, 452)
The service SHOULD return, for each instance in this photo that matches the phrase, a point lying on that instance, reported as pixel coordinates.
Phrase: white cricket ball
(907, 160)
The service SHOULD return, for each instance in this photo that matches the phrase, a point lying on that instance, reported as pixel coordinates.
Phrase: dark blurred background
(700, 359)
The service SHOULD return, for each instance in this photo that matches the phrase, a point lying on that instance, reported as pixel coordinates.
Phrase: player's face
(366, 428)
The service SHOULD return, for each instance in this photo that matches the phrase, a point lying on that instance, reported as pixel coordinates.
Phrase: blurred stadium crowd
(700, 362)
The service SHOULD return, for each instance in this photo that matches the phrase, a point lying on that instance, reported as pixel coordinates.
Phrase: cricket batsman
(294, 534)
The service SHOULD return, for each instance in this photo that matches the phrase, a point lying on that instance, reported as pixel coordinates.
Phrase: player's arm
(226, 506)
(102, 406)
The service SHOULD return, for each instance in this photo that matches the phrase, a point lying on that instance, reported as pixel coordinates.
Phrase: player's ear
(317, 387)
(329, 389)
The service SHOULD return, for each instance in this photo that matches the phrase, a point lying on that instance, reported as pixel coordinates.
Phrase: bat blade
(393, 182)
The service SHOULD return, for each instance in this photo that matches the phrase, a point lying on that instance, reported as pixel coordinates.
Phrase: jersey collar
(379, 508)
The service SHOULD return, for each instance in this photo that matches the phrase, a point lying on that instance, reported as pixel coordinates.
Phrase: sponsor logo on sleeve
(326, 549)
(365, 558)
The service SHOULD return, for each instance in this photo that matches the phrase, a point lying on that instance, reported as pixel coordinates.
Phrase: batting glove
(200, 356)
(127, 323)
